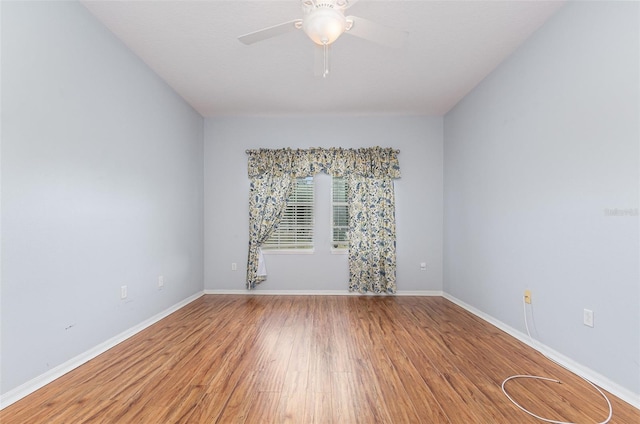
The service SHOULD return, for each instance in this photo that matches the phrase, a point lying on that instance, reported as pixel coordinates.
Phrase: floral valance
(375, 162)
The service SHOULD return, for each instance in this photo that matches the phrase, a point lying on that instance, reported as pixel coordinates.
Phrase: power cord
(513, 377)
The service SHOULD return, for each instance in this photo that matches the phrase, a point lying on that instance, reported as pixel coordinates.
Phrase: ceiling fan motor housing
(324, 23)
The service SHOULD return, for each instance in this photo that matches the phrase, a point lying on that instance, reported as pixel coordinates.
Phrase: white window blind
(295, 230)
(339, 214)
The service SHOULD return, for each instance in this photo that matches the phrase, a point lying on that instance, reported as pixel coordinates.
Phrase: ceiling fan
(324, 21)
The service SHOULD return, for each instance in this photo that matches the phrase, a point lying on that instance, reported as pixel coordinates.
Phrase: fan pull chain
(325, 48)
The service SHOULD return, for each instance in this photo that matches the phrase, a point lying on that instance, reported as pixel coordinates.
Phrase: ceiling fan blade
(273, 31)
(375, 32)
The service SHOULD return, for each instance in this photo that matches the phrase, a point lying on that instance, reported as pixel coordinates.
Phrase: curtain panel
(372, 235)
(369, 173)
(267, 202)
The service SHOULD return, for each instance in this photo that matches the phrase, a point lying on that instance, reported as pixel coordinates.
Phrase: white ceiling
(193, 46)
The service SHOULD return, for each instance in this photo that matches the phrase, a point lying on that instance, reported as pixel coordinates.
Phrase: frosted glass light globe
(324, 26)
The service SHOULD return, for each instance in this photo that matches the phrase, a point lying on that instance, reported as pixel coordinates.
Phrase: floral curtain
(369, 172)
(372, 234)
(268, 195)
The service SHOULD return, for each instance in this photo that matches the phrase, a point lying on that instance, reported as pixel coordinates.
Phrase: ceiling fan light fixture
(324, 25)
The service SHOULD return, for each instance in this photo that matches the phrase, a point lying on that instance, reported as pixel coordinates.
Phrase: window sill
(338, 251)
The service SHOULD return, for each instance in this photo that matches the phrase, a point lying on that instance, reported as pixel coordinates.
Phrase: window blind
(295, 230)
(340, 213)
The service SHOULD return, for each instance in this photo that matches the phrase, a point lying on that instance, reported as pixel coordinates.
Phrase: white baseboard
(320, 293)
(578, 369)
(36, 383)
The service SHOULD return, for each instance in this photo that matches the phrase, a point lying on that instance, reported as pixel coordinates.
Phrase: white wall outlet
(234, 266)
(588, 318)
(161, 281)
(423, 266)
(123, 292)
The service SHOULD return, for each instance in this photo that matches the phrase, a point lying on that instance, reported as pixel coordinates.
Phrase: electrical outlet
(161, 281)
(423, 266)
(527, 296)
(588, 318)
(123, 292)
(234, 266)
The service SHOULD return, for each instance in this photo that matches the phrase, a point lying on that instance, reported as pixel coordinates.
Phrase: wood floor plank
(273, 371)
(414, 387)
(207, 410)
(349, 407)
(264, 408)
(240, 401)
(319, 364)
(315, 359)
(293, 407)
(384, 374)
(319, 408)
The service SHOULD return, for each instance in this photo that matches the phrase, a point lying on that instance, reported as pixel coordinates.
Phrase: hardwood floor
(318, 359)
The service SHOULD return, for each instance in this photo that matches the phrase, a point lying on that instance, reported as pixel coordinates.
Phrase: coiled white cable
(504, 390)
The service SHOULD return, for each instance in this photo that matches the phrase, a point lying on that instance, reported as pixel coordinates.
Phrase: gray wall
(101, 187)
(418, 198)
(533, 158)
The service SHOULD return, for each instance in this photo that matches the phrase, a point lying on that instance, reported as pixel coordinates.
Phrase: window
(295, 231)
(339, 213)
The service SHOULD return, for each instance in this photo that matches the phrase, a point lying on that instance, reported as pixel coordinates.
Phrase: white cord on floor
(504, 390)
